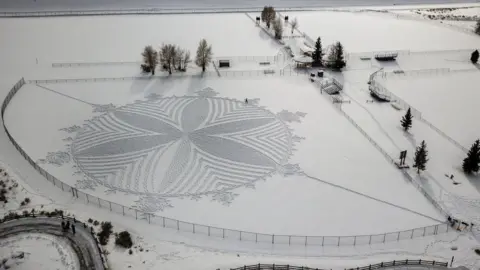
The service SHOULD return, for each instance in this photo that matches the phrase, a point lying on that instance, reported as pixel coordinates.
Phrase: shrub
(130, 252)
(96, 223)
(124, 239)
(145, 68)
(90, 220)
(27, 200)
(104, 234)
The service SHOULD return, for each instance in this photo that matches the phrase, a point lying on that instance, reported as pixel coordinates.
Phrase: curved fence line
(215, 231)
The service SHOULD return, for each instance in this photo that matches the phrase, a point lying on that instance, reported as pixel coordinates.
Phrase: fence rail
(211, 231)
(242, 58)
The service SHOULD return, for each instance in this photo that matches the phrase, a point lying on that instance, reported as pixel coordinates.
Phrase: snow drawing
(187, 146)
(56, 158)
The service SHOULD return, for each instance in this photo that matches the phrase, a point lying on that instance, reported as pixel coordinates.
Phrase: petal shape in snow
(231, 150)
(126, 145)
(194, 114)
(146, 122)
(235, 126)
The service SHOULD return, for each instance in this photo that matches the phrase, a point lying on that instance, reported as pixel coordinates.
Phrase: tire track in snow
(373, 198)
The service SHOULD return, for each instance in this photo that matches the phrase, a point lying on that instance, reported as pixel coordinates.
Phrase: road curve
(82, 242)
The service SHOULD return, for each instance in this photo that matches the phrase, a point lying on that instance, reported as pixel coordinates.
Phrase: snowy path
(82, 242)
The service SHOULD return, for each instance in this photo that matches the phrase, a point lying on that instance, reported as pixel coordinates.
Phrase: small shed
(223, 63)
(303, 61)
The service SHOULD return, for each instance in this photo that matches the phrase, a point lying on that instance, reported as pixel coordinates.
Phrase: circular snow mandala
(178, 146)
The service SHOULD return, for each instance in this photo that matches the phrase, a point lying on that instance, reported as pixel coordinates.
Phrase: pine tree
(474, 57)
(420, 160)
(407, 120)
(472, 161)
(477, 28)
(317, 55)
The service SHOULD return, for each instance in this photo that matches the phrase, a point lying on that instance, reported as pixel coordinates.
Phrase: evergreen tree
(335, 57)
(420, 160)
(317, 55)
(472, 161)
(474, 57)
(477, 28)
(407, 120)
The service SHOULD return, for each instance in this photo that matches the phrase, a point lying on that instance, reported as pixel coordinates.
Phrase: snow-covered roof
(303, 59)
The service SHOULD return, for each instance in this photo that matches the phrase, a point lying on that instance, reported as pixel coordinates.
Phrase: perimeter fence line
(394, 263)
(212, 231)
(242, 58)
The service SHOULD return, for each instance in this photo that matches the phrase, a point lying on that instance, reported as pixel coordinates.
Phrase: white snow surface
(374, 31)
(270, 200)
(41, 251)
(334, 143)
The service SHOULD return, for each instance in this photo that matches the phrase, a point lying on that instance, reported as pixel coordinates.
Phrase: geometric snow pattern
(182, 146)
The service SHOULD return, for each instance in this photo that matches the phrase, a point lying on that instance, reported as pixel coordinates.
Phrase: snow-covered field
(269, 201)
(374, 31)
(23, 253)
(450, 101)
(288, 162)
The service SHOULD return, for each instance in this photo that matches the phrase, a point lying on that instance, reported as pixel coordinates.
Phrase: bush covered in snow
(124, 239)
(105, 233)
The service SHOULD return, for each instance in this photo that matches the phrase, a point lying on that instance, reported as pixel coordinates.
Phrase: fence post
(323, 239)
(424, 230)
(136, 214)
(87, 198)
(289, 238)
(384, 236)
(110, 206)
(208, 230)
(178, 225)
(123, 210)
(223, 233)
(273, 238)
(393, 262)
(193, 228)
(338, 244)
(355, 241)
(256, 236)
(62, 185)
(411, 237)
(99, 203)
(306, 239)
(398, 236)
(148, 217)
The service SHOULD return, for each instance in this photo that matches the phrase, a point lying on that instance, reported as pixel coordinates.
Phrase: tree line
(171, 57)
(470, 165)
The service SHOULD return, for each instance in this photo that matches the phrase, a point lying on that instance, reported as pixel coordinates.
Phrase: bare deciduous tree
(294, 24)
(179, 58)
(204, 55)
(278, 28)
(150, 60)
(168, 54)
(268, 15)
(186, 60)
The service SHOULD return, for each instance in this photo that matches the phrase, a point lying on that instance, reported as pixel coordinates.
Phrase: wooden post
(208, 230)
(289, 239)
(355, 241)
(223, 233)
(110, 206)
(193, 228)
(136, 214)
(424, 230)
(123, 210)
(178, 225)
(370, 241)
(240, 235)
(398, 236)
(99, 203)
(256, 236)
(273, 238)
(163, 221)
